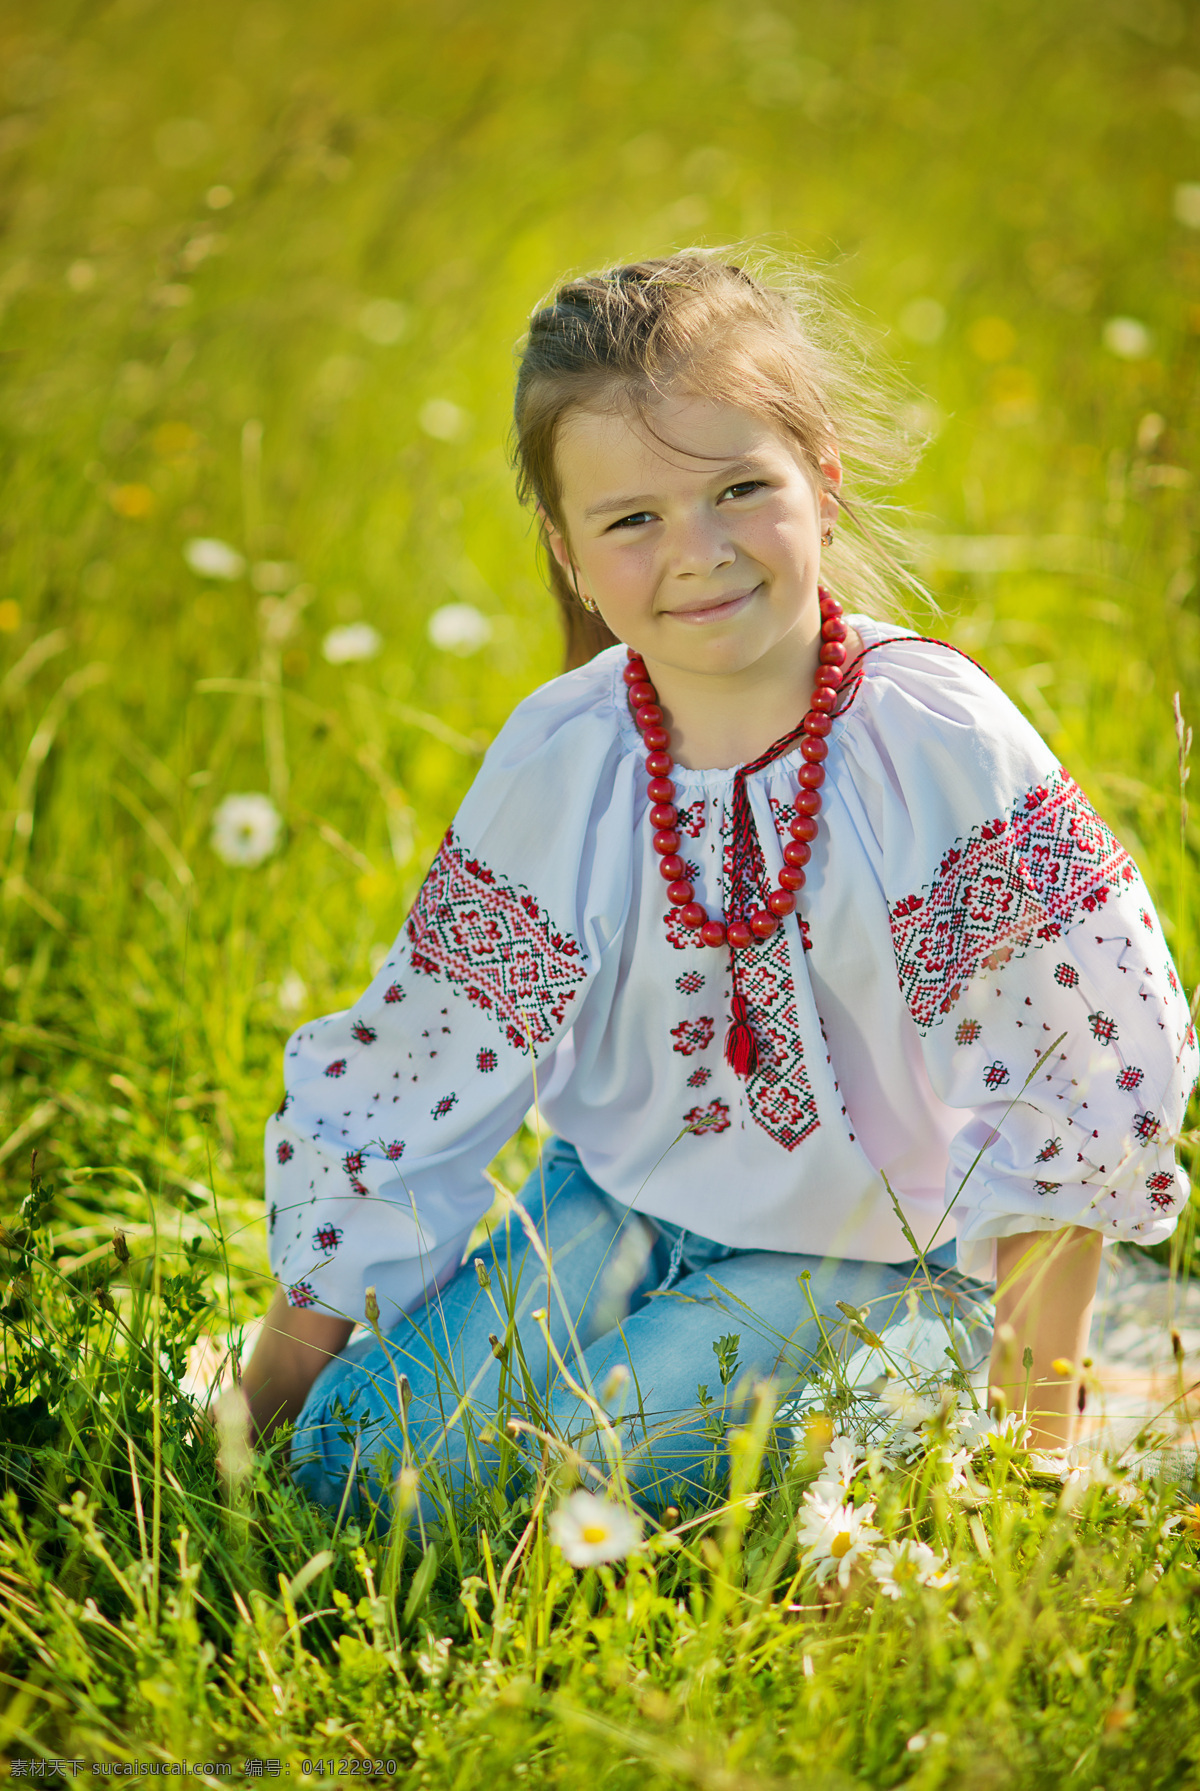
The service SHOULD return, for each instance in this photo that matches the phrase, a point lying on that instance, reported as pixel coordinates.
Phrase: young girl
(811, 954)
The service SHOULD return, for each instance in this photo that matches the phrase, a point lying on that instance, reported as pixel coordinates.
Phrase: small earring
(589, 605)
(827, 535)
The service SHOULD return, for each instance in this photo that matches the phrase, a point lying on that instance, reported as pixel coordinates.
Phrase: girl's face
(707, 564)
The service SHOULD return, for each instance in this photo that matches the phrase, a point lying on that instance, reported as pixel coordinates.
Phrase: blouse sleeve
(1034, 968)
(393, 1109)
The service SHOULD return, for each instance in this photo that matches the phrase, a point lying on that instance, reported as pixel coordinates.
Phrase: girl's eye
(631, 522)
(744, 488)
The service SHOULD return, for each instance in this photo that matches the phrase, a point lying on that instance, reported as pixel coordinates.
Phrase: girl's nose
(700, 546)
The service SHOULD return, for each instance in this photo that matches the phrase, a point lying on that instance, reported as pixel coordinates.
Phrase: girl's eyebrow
(640, 501)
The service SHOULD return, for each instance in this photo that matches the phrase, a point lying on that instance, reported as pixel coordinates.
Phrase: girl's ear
(830, 464)
(554, 540)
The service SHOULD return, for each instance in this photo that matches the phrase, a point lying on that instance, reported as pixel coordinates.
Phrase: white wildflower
(834, 1537)
(210, 558)
(842, 1460)
(588, 1529)
(246, 829)
(459, 628)
(901, 1565)
(357, 640)
(444, 421)
(1128, 339)
(980, 1428)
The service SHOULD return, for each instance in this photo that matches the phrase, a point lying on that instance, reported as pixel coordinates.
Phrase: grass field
(262, 268)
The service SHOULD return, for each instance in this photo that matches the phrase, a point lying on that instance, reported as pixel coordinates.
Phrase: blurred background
(266, 592)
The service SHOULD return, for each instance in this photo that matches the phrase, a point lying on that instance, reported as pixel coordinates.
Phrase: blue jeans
(642, 1338)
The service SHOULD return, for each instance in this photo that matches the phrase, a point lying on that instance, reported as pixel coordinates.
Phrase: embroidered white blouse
(974, 1000)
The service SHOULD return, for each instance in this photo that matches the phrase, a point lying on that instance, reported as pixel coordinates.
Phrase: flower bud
(120, 1247)
(481, 1274)
(371, 1306)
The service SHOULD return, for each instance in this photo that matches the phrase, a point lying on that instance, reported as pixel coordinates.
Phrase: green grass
(171, 367)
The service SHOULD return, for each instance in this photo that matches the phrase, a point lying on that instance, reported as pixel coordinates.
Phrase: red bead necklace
(740, 932)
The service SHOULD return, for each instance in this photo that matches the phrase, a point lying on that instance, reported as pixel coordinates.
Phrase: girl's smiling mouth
(715, 609)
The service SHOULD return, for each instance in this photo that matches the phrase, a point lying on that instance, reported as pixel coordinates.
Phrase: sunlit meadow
(266, 595)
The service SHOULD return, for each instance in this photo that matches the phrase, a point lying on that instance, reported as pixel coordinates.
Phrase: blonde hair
(775, 342)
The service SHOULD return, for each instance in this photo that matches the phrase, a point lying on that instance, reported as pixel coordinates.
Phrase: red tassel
(741, 1048)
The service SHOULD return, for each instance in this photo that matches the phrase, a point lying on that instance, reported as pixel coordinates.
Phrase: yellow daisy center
(841, 1545)
(594, 1533)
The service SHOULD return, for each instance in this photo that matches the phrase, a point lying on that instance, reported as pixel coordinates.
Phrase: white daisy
(345, 646)
(588, 1530)
(459, 628)
(246, 829)
(210, 558)
(842, 1459)
(834, 1537)
(901, 1565)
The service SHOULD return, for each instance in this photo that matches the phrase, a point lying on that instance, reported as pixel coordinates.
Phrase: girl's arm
(1045, 1289)
(292, 1349)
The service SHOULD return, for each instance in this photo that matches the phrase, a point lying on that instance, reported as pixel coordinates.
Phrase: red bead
(790, 879)
(829, 605)
(656, 739)
(666, 842)
(808, 802)
(663, 814)
(781, 902)
(797, 854)
(694, 915)
(712, 933)
(659, 764)
(812, 776)
(834, 629)
(672, 868)
(832, 653)
(660, 789)
(642, 693)
(635, 672)
(804, 827)
(816, 723)
(829, 677)
(739, 935)
(649, 715)
(681, 893)
(814, 750)
(823, 701)
(762, 924)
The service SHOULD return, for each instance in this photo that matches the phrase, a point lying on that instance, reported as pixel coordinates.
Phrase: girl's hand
(291, 1351)
(1045, 1289)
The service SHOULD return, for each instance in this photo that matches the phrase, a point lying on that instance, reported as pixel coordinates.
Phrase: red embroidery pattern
(394, 1151)
(395, 993)
(1047, 1187)
(284, 1152)
(690, 983)
(495, 942)
(327, 1237)
(443, 1106)
(1066, 975)
(1146, 1126)
(336, 1068)
(698, 1078)
(1104, 1029)
(1130, 1078)
(995, 1076)
(363, 1033)
(778, 1093)
(302, 1294)
(486, 1061)
(1017, 882)
(693, 1035)
(1160, 1185)
(1051, 1148)
(703, 1120)
(691, 819)
(967, 1031)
